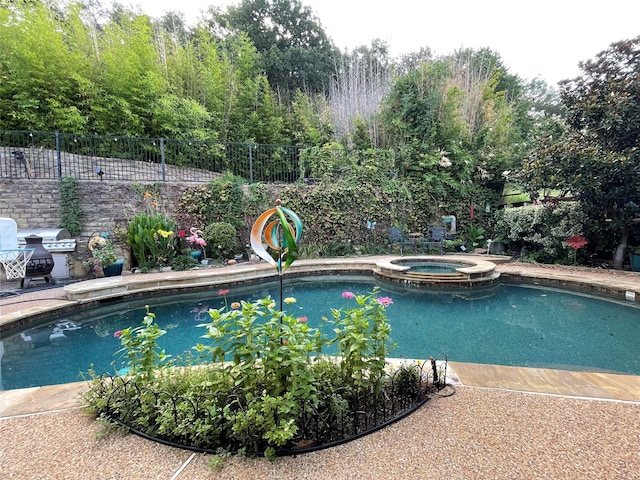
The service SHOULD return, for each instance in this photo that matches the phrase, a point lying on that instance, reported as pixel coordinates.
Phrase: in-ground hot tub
(438, 271)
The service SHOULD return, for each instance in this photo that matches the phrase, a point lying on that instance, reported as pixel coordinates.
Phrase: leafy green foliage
(151, 238)
(183, 262)
(475, 236)
(219, 201)
(266, 347)
(296, 52)
(140, 347)
(596, 159)
(264, 380)
(44, 81)
(542, 231)
(322, 209)
(70, 211)
(222, 240)
(363, 339)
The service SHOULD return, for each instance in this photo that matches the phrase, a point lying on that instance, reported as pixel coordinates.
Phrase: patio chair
(396, 239)
(435, 237)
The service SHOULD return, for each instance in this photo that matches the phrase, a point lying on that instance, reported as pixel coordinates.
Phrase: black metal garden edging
(396, 401)
(283, 452)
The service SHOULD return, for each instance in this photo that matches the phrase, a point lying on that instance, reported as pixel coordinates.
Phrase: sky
(542, 38)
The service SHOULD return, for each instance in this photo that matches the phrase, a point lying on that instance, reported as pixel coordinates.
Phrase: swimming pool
(504, 325)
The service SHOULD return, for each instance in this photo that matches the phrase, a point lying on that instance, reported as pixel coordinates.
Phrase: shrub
(222, 241)
(542, 230)
(183, 262)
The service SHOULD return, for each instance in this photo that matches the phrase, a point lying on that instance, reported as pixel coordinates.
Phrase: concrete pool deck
(575, 425)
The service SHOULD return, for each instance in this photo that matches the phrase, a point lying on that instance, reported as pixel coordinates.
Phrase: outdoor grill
(57, 242)
(53, 239)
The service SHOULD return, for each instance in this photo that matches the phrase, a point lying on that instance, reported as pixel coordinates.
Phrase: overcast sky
(545, 38)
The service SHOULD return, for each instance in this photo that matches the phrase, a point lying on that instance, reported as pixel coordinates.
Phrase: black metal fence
(46, 155)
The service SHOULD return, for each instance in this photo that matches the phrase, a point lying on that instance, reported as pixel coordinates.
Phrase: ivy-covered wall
(341, 216)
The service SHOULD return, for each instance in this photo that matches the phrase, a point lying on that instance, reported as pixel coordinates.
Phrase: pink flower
(223, 292)
(384, 301)
(118, 334)
(348, 295)
(302, 319)
(576, 242)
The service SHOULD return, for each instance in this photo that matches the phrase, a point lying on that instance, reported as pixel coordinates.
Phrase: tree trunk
(621, 249)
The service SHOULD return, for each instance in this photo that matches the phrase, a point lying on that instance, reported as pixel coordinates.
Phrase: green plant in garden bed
(151, 238)
(264, 383)
(222, 241)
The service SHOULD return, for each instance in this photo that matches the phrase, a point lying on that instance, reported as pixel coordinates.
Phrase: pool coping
(595, 385)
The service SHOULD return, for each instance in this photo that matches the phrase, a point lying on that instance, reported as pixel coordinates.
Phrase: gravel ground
(475, 434)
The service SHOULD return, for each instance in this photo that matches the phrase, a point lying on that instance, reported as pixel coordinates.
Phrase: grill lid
(47, 234)
(53, 239)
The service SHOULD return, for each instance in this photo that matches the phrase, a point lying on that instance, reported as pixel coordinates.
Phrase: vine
(70, 212)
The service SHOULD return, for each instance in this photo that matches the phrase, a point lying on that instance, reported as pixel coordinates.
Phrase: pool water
(433, 267)
(507, 325)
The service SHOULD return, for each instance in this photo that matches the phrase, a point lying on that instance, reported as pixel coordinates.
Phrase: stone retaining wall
(104, 204)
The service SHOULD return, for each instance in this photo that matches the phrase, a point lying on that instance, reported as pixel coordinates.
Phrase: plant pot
(113, 269)
(634, 259)
(497, 248)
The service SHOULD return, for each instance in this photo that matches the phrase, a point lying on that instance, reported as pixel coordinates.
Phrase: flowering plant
(103, 254)
(151, 239)
(576, 242)
(363, 337)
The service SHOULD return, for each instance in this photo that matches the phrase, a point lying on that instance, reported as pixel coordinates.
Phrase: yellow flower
(289, 300)
(165, 233)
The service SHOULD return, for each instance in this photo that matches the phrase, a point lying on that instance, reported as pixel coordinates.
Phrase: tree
(295, 50)
(598, 159)
(362, 80)
(130, 76)
(456, 124)
(44, 74)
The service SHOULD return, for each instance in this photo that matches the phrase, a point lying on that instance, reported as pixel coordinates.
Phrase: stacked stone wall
(104, 206)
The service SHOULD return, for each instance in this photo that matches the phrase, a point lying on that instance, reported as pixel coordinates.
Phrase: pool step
(454, 279)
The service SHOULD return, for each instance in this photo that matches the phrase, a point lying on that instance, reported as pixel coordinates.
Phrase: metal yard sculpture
(280, 235)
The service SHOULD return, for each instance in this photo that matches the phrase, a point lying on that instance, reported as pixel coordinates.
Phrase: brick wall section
(104, 205)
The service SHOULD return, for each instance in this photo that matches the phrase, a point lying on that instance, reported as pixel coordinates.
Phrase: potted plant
(103, 257)
(634, 259)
